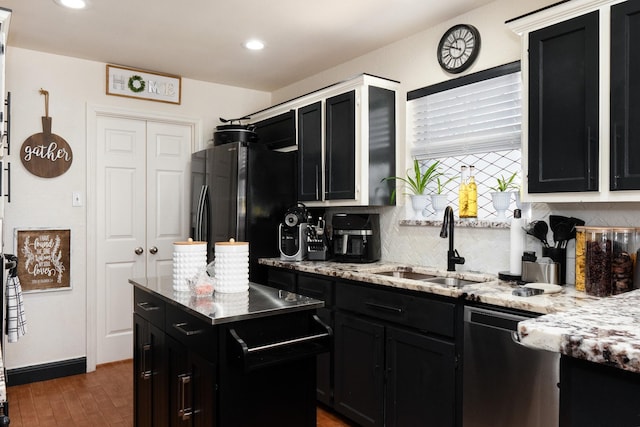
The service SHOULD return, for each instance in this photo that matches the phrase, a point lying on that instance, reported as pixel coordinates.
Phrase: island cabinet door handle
(146, 373)
(138, 250)
(153, 250)
(188, 332)
(384, 307)
(147, 306)
(185, 410)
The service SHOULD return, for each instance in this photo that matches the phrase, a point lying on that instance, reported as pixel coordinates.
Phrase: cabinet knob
(138, 250)
(153, 250)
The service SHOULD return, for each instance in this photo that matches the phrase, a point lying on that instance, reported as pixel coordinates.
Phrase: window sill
(482, 223)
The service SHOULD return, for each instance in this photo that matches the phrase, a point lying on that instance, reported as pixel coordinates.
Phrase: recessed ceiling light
(254, 45)
(72, 4)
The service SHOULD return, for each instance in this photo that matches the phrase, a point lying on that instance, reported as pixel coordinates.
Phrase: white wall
(57, 320)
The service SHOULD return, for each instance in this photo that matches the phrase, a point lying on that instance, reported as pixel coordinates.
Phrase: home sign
(149, 85)
(46, 154)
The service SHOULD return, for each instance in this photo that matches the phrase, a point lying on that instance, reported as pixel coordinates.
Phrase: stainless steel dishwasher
(504, 383)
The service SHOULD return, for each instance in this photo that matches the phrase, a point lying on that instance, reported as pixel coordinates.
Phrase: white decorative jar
(231, 267)
(189, 259)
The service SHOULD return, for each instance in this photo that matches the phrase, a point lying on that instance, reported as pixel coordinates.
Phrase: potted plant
(440, 200)
(416, 183)
(501, 196)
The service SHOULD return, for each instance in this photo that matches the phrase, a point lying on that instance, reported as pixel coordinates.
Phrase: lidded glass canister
(581, 256)
(622, 261)
(599, 251)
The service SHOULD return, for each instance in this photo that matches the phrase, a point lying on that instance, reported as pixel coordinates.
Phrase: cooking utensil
(539, 230)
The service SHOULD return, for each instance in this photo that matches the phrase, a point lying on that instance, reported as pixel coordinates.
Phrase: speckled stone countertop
(489, 290)
(606, 331)
(601, 330)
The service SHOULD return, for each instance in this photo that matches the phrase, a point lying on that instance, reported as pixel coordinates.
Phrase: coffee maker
(292, 234)
(356, 237)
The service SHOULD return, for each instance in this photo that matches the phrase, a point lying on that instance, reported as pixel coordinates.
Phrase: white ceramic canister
(231, 266)
(189, 259)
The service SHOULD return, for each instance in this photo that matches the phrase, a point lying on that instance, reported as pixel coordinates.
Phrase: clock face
(458, 48)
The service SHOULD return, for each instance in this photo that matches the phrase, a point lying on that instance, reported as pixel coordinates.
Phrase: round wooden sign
(45, 154)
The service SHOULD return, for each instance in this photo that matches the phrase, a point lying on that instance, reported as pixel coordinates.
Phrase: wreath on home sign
(136, 84)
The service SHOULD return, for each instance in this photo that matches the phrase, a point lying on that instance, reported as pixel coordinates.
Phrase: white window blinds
(474, 118)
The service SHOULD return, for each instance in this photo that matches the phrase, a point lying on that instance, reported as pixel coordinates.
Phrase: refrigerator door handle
(202, 199)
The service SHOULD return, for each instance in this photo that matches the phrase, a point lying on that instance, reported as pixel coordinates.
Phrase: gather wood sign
(46, 154)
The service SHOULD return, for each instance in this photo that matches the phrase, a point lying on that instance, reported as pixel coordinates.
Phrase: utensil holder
(558, 255)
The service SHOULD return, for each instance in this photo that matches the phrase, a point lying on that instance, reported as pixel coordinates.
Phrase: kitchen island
(199, 361)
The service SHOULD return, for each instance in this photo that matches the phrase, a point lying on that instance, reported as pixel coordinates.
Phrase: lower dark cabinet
(191, 387)
(421, 377)
(592, 394)
(359, 369)
(150, 391)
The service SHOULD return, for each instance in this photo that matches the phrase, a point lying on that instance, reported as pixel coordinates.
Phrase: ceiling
(203, 39)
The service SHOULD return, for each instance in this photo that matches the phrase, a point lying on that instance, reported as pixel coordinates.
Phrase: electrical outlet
(76, 199)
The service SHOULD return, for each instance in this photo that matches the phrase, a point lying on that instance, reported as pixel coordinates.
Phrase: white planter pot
(419, 203)
(439, 202)
(501, 201)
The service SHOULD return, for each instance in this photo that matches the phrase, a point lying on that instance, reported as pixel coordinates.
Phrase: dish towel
(16, 322)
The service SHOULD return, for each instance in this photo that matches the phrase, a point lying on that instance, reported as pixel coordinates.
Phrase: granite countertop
(489, 290)
(601, 330)
(258, 301)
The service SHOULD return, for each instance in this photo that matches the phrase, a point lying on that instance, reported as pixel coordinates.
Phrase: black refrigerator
(242, 190)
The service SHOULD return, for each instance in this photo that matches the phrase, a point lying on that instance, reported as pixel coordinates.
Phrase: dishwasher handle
(493, 318)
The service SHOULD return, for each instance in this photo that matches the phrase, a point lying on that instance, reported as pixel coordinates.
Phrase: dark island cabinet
(625, 96)
(593, 394)
(563, 140)
(151, 375)
(149, 361)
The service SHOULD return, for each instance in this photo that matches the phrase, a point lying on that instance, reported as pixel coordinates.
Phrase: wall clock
(458, 48)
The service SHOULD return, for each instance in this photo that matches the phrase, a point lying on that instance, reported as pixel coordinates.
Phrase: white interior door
(168, 193)
(142, 186)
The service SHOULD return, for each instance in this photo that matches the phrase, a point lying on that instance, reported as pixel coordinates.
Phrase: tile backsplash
(485, 249)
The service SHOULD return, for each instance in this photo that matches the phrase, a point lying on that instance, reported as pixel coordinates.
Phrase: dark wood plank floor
(97, 399)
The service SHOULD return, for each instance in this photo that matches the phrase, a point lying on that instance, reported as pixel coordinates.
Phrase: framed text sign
(133, 83)
(44, 259)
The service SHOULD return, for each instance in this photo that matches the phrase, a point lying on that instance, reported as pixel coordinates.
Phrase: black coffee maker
(356, 237)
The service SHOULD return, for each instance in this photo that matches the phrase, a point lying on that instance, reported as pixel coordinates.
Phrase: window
(473, 120)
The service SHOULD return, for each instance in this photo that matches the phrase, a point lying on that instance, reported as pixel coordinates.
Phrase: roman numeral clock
(458, 48)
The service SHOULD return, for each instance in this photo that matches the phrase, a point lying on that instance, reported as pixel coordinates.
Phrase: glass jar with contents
(581, 257)
(622, 260)
(599, 247)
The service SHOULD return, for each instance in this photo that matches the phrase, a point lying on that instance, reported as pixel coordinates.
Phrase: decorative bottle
(472, 194)
(462, 193)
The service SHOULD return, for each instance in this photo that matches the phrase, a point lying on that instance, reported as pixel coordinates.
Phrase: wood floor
(97, 399)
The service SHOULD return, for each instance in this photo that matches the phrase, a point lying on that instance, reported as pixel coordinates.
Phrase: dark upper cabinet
(310, 185)
(564, 106)
(340, 146)
(625, 96)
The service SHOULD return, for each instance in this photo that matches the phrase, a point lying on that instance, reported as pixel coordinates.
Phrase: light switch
(76, 199)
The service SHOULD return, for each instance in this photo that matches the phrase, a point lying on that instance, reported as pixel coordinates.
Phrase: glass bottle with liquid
(462, 193)
(472, 194)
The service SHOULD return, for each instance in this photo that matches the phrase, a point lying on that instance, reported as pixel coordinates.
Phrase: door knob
(153, 250)
(138, 250)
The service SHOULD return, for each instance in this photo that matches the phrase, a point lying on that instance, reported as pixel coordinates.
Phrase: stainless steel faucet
(453, 257)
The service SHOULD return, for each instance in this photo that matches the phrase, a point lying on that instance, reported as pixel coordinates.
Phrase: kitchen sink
(452, 281)
(403, 274)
